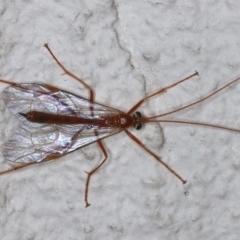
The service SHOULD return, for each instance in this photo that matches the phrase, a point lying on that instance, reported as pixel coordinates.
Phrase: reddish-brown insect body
(79, 121)
(117, 121)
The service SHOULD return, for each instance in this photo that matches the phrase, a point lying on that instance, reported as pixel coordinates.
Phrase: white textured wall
(124, 50)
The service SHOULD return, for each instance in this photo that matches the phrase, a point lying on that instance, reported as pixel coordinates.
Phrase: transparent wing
(26, 97)
(34, 142)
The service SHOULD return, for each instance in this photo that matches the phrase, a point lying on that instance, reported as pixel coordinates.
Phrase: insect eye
(138, 114)
(138, 120)
(138, 126)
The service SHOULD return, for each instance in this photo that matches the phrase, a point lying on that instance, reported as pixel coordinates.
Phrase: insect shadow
(57, 122)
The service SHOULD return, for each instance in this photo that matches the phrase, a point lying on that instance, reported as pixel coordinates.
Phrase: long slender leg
(91, 98)
(15, 168)
(70, 73)
(154, 155)
(162, 90)
(94, 170)
(7, 82)
(47, 159)
(66, 71)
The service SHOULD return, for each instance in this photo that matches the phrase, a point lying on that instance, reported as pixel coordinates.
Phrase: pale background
(125, 50)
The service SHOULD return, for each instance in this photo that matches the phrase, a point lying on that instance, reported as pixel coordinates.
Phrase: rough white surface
(125, 50)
